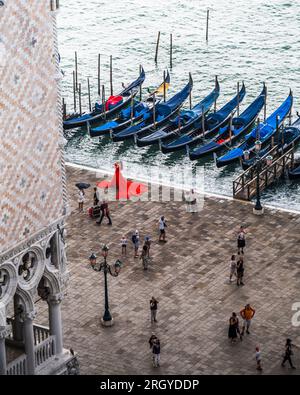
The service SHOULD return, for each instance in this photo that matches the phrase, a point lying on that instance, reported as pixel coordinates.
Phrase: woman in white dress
(80, 200)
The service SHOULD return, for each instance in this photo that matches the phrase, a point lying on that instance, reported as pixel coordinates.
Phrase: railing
(17, 367)
(44, 350)
(244, 186)
(40, 333)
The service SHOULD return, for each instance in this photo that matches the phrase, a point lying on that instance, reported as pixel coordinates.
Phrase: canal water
(248, 41)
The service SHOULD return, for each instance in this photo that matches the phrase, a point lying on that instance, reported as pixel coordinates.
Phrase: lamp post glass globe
(105, 250)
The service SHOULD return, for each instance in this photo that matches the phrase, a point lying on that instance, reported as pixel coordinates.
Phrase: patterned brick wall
(32, 191)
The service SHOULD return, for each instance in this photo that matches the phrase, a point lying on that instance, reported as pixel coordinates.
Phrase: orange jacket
(247, 314)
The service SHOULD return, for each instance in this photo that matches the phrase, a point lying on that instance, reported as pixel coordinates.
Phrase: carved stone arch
(33, 270)
(52, 282)
(27, 303)
(8, 283)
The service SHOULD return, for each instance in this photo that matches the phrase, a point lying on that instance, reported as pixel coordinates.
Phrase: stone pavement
(189, 276)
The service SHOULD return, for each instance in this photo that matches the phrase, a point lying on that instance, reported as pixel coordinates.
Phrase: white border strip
(208, 194)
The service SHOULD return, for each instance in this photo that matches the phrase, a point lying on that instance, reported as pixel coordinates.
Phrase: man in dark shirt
(156, 352)
(153, 309)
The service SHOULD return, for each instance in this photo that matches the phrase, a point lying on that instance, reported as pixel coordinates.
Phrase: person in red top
(247, 313)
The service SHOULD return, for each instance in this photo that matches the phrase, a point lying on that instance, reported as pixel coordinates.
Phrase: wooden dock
(244, 186)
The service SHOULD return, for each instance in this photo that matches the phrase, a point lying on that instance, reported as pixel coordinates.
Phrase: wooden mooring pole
(76, 72)
(99, 86)
(79, 93)
(207, 19)
(111, 75)
(64, 109)
(164, 85)
(89, 94)
(203, 122)
(171, 50)
(265, 104)
(157, 44)
(103, 101)
(238, 100)
(290, 113)
(74, 91)
(190, 95)
(154, 123)
(140, 84)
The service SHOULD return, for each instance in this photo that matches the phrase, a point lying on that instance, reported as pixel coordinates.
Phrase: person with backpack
(136, 243)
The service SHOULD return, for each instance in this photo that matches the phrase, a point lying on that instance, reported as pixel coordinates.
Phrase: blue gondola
(213, 123)
(294, 174)
(135, 113)
(263, 132)
(284, 141)
(163, 112)
(232, 131)
(186, 120)
(111, 108)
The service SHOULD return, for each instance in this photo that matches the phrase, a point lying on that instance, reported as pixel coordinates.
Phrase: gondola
(233, 130)
(283, 142)
(263, 132)
(294, 174)
(186, 120)
(112, 106)
(212, 125)
(160, 115)
(135, 113)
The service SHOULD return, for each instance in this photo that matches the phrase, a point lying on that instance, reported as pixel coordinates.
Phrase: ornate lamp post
(114, 271)
(258, 209)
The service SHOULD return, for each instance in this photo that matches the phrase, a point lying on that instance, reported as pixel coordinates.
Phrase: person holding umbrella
(81, 195)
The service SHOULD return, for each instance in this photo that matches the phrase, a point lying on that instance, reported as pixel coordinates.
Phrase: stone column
(17, 322)
(55, 321)
(3, 334)
(29, 341)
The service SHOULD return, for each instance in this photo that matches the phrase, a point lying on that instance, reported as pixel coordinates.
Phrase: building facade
(33, 199)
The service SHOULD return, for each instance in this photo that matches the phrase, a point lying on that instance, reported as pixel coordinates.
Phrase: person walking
(104, 213)
(153, 309)
(241, 240)
(240, 272)
(232, 268)
(258, 358)
(81, 199)
(247, 313)
(233, 325)
(144, 257)
(96, 197)
(136, 243)
(152, 338)
(147, 243)
(162, 229)
(124, 244)
(156, 352)
(288, 353)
